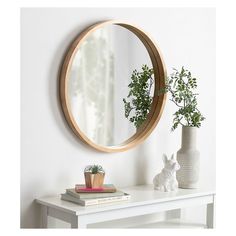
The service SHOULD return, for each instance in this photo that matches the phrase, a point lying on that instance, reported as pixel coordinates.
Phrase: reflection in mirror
(98, 82)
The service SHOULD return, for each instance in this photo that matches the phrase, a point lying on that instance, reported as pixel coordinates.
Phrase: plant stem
(150, 85)
(176, 103)
(184, 108)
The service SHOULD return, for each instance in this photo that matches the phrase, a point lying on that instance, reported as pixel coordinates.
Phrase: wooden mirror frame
(158, 100)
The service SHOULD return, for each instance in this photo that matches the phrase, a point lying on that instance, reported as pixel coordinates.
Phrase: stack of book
(94, 196)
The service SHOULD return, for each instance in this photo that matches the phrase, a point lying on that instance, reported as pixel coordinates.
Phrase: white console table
(144, 200)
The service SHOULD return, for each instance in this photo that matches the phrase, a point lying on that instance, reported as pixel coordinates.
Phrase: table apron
(61, 215)
(114, 214)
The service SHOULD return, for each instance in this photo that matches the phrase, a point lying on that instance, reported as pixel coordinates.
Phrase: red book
(106, 188)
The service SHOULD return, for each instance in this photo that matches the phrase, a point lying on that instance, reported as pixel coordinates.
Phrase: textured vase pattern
(188, 158)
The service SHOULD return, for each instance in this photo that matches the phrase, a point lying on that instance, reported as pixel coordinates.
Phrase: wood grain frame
(158, 100)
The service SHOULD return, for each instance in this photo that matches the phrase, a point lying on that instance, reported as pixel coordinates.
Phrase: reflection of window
(99, 78)
(91, 87)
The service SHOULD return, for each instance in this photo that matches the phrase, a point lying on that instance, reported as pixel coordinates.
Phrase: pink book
(107, 188)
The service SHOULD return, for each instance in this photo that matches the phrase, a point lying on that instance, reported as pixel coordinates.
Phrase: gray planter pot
(188, 158)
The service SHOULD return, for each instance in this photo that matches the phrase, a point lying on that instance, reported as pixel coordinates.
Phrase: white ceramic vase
(188, 158)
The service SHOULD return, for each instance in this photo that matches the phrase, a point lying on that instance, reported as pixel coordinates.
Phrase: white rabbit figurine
(166, 180)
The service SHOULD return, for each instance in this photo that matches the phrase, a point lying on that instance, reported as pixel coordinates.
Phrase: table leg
(44, 216)
(210, 215)
(76, 223)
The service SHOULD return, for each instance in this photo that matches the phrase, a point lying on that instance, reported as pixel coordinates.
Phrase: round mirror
(109, 83)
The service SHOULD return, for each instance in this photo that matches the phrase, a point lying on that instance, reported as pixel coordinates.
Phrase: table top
(140, 195)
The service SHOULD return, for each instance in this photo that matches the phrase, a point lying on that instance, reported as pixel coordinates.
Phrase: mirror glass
(99, 81)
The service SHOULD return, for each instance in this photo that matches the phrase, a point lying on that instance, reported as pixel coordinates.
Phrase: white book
(96, 201)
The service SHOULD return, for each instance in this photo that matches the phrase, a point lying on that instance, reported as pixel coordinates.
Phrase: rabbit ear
(165, 159)
(173, 157)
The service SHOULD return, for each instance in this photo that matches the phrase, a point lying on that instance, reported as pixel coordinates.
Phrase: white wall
(52, 158)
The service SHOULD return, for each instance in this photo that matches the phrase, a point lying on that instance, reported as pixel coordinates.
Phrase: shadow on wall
(30, 216)
(30, 210)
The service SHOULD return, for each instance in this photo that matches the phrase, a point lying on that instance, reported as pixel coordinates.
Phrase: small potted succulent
(94, 176)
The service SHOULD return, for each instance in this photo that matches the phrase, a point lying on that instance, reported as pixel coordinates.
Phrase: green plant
(181, 86)
(140, 99)
(94, 169)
